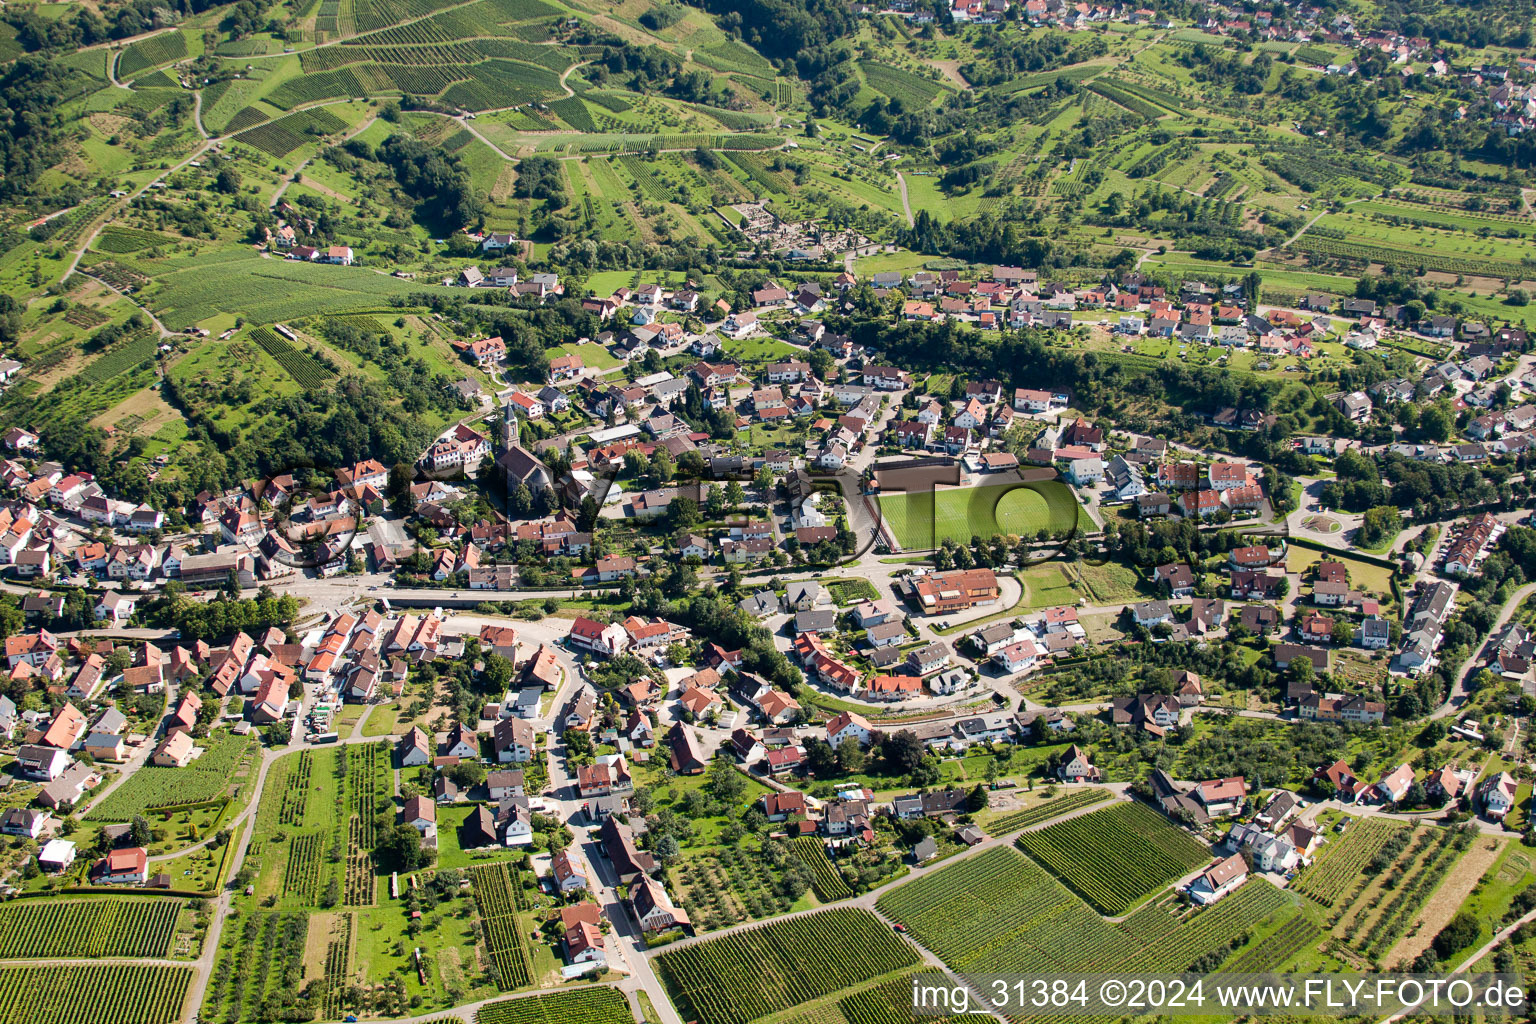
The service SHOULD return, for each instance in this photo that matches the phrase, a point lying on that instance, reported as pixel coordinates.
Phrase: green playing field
(922, 520)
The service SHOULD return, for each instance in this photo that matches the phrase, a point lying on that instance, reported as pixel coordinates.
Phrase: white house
(1220, 879)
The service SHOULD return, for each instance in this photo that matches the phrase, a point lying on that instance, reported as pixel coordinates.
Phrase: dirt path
(906, 206)
(569, 92)
(298, 172)
(325, 190)
(1435, 914)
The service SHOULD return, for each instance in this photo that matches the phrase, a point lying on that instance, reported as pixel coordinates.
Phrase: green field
(1000, 913)
(82, 993)
(1116, 857)
(35, 929)
(204, 779)
(809, 957)
(921, 520)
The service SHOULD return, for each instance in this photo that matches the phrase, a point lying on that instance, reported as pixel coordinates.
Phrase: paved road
(1459, 692)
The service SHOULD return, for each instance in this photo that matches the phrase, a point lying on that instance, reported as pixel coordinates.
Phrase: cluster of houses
(1473, 538)
(1431, 607)
(83, 687)
(1187, 488)
(1494, 795)
(285, 239)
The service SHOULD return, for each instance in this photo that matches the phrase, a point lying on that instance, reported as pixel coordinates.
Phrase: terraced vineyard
(1336, 871)
(496, 898)
(1073, 800)
(806, 957)
(1426, 259)
(828, 881)
(1133, 103)
(300, 365)
(152, 52)
(651, 184)
(118, 239)
(120, 359)
(598, 1004)
(1001, 913)
(105, 927)
(93, 993)
(286, 134)
(1113, 858)
(913, 90)
(1277, 948)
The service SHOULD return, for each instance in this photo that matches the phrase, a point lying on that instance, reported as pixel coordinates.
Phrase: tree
(399, 848)
(498, 671)
(227, 180)
(822, 363)
(1434, 424)
(725, 782)
(681, 512)
(139, 832)
(521, 502)
(399, 489)
(819, 757)
(1459, 933)
(662, 465)
(666, 848)
(850, 754)
(979, 799)
(1379, 524)
(902, 752)
(467, 773)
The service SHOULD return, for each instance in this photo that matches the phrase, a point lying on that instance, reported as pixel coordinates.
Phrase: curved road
(1459, 692)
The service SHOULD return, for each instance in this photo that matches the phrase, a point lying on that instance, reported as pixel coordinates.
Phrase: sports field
(923, 519)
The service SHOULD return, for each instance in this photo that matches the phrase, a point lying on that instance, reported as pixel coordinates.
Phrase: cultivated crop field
(1337, 868)
(597, 1004)
(300, 365)
(92, 993)
(286, 134)
(106, 927)
(922, 520)
(498, 899)
(789, 962)
(1000, 912)
(727, 887)
(152, 52)
(1016, 820)
(149, 787)
(1277, 948)
(1115, 857)
(187, 290)
(828, 882)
